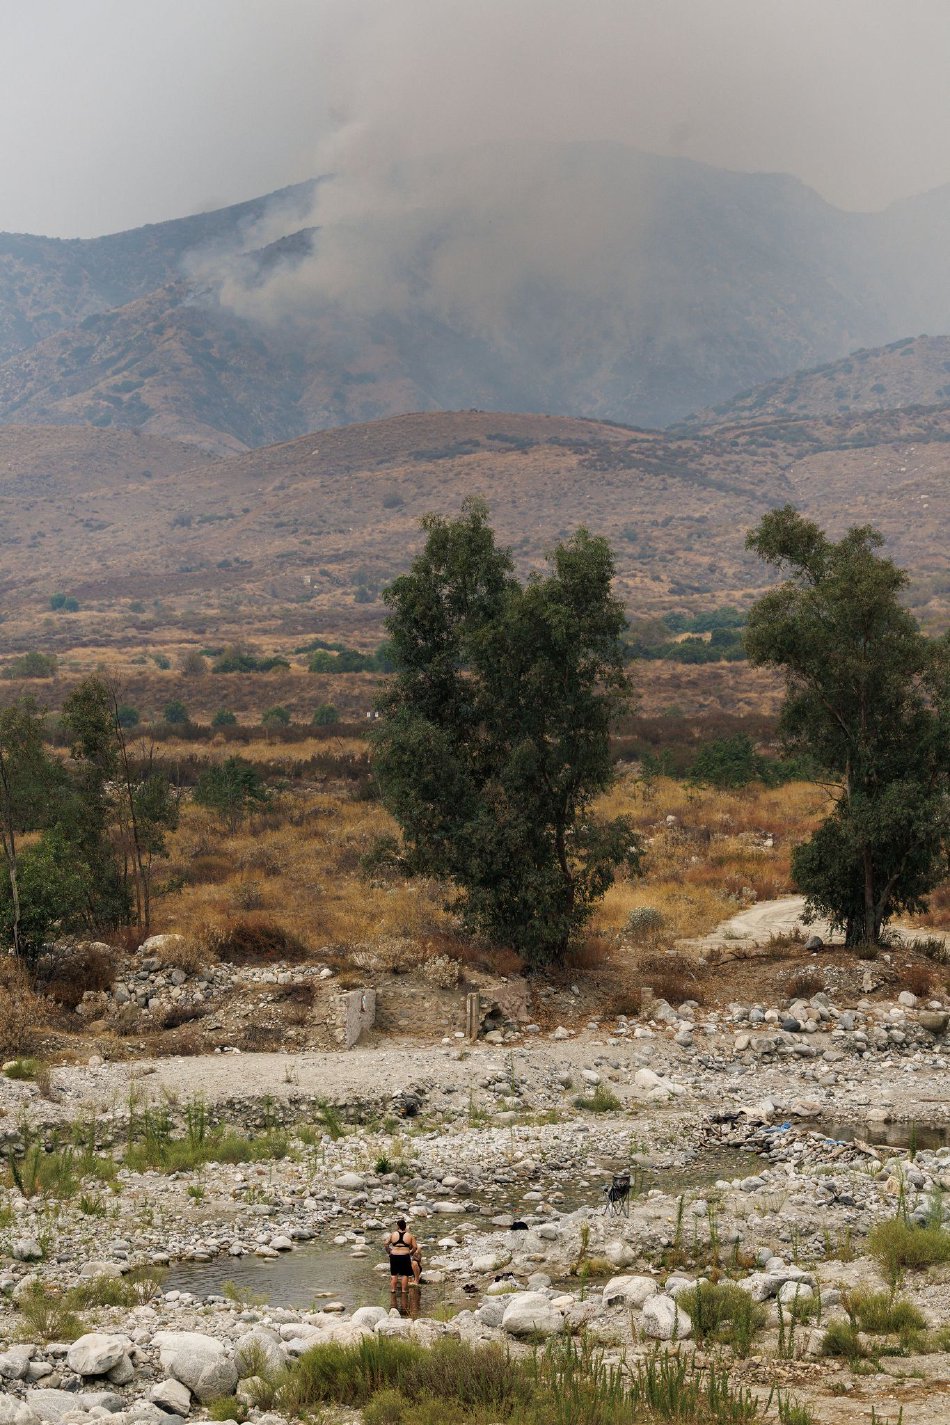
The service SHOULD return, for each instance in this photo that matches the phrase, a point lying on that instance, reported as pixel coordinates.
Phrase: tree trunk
(871, 924)
(10, 856)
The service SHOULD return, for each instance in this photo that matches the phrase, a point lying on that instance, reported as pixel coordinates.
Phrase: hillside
(581, 279)
(912, 372)
(296, 540)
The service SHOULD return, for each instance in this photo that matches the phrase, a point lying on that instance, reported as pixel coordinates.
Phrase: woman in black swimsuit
(401, 1245)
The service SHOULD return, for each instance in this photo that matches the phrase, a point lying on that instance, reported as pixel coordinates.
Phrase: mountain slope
(297, 539)
(49, 284)
(911, 372)
(584, 279)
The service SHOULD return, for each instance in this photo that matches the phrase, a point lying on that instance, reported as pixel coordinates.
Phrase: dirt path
(770, 919)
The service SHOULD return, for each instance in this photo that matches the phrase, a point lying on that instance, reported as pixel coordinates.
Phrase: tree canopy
(868, 699)
(494, 739)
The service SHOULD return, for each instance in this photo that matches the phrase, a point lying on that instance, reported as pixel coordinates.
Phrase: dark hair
(401, 1223)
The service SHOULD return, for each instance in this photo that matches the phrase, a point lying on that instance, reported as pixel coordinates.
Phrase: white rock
(16, 1412)
(791, 1291)
(15, 1363)
(160, 944)
(630, 1291)
(620, 1254)
(199, 1362)
(369, 1316)
(662, 1320)
(529, 1313)
(27, 1249)
(90, 1271)
(350, 1182)
(172, 1396)
(258, 1351)
(96, 1353)
(51, 1405)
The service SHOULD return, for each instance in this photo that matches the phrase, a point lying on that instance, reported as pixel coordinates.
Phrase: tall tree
(27, 779)
(125, 802)
(495, 737)
(868, 699)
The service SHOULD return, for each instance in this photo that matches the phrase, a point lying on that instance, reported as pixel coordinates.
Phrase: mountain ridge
(618, 285)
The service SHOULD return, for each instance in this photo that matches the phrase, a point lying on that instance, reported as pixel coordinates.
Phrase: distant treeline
(663, 638)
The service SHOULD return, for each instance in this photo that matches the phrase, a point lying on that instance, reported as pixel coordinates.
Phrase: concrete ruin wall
(353, 1012)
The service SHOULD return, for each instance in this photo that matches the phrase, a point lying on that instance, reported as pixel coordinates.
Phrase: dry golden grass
(297, 866)
(714, 859)
(23, 1013)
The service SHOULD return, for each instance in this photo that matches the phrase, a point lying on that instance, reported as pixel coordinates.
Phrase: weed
(881, 1313)
(227, 1407)
(793, 1412)
(242, 1296)
(331, 1119)
(898, 1244)
(92, 1205)
(841, 1339)
(723, 1313)
(602, 1100)
(21, 1068)
(393, 1381)
(47, 1315)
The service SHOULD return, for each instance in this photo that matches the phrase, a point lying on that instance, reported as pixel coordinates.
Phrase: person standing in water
(401, 1245)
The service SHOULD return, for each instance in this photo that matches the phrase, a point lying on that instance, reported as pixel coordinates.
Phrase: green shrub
(392, 1381)
(127, 716)
(602, 1100)
(326, 715)
(175, 713)
(230, 788)
(898, 1244)
(47, 1315)
(64, 603)
(645, 920)
(880, 1313)
(387, 1407)
(224, 717)
(841, 1339)
(31, 665)
(724, 1313)
(275, 717)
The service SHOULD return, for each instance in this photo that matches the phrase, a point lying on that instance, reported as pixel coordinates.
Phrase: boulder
(492, 1311)
(51, 1405)
(17, 1412)
(95, 1354)
(15, 1362)
(350, 1182)
(27, 1249)
(662, 1320)
(92, 1271)
(161, 944)
(620, 1254)
(172, 1396)
(122, 1372)
(529, 1313)
(199, 1362)
(629, 1291)
(259, 1351)
(792, 1291)
(369, 1316)
(303, 1338)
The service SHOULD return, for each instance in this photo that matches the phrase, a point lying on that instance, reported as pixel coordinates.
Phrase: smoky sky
(116, 113)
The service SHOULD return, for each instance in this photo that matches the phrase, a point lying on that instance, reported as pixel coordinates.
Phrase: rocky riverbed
(497, 1154)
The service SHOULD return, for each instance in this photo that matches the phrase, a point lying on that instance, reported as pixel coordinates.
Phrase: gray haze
(121, 112)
